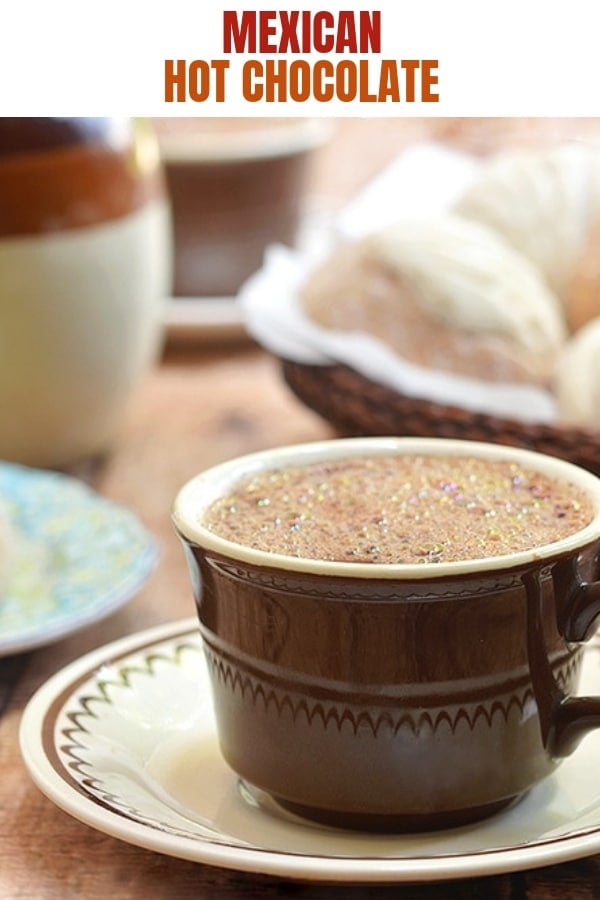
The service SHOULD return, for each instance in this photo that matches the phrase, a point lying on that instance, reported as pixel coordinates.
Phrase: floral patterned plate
(73, 557)
(124, 739)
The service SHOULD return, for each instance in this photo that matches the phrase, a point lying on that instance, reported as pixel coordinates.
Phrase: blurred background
(240, 183)
(117, 236)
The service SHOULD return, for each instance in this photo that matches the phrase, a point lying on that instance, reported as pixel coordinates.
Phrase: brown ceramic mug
(394, 696)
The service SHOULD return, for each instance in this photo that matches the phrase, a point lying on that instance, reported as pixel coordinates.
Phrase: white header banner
(388, 58)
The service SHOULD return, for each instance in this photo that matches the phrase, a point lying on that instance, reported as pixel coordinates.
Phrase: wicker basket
(357, 406)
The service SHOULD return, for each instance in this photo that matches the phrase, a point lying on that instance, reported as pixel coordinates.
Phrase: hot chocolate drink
(399, 509)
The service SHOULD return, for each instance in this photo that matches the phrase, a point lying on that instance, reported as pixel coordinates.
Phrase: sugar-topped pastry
(577, 379)
(546, 203)
(444, 293)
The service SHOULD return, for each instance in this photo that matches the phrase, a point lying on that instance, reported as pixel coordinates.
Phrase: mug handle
(574, 717)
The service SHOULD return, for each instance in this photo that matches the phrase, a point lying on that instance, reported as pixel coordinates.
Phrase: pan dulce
(399, 509)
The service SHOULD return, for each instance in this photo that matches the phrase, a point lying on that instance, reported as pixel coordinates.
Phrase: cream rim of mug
(201, 491)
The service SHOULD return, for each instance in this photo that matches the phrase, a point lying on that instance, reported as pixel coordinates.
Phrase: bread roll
(577, 377)
(546, 204)
(447, 294)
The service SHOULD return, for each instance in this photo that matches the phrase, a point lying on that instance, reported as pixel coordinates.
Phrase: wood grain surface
(201, 406)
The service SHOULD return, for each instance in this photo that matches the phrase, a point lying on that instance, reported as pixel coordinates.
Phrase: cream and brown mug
(85, 270)
(395, 695)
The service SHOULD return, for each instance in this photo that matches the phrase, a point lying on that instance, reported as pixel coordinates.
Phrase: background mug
(393, 696)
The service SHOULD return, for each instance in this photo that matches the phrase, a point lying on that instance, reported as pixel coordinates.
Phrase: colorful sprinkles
(399, 509)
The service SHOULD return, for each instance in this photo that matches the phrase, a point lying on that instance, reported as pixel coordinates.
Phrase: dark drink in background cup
(236, 185)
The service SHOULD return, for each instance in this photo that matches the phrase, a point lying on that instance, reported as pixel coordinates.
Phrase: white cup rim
(197, 494)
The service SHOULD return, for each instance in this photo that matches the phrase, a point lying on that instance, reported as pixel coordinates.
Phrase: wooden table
(197, 408)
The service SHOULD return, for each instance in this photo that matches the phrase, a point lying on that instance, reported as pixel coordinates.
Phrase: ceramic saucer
(74, 557)
(124, 740)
